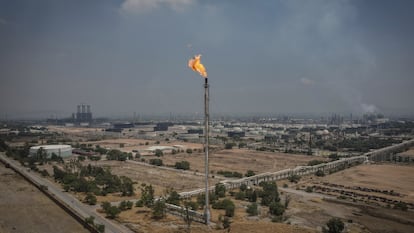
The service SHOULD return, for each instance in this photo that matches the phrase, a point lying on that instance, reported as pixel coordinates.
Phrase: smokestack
(83, 108)
(88, 107)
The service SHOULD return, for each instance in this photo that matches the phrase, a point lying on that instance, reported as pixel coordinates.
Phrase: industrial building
(60, 150)
(83, 115)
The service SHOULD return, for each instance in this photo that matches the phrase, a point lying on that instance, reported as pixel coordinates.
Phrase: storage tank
(60, 150)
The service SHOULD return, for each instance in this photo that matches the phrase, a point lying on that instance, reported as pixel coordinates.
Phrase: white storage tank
(60, 150)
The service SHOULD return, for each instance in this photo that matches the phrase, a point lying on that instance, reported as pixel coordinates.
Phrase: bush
(270, 193)
(401, 206)
(158, 210)
(139, 203)
(315, 162)
(220, 190)
(294, 178)
(173, 198)
(191, 204)
(252, 209)
(229, 146)
(90, 199)
(335, 225)
(227, 205)
(319, 173)
(156, 162)
(249, 173)
(189, 151)
(309, 189)
(183, 165)
(275, 208)
(158, 153)
(125, 205)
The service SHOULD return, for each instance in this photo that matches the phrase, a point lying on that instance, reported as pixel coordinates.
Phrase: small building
(233, 134)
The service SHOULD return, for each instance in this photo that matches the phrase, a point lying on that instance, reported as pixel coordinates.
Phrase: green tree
(227, 205)
(220, 190)
(335, 225)
(173, 198)
(100, 228)
(184, 165)
(90, 220)
(127, 186)
(125, 205)
(158, 153)
(252, 209)
(158, 210)
(147, 195)
(90, 199)
(270, 193)
(156, 162)
(275, 208)
(249, 173)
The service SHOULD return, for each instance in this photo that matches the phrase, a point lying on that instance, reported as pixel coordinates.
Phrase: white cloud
(307, 81)
(137, 6)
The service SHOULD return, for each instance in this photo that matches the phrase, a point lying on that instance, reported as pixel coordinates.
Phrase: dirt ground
(139, 220)
(382, 176)
(23, 208)
(241, 160)
(310, 210)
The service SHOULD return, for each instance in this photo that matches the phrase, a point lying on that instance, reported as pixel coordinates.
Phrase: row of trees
(92, 179)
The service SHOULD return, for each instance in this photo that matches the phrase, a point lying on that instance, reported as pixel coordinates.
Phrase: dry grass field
(307, 211)
(23, 208)
(383, 176)
(241, 160)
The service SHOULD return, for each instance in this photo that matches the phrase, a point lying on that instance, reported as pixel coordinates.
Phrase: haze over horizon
(125, 56)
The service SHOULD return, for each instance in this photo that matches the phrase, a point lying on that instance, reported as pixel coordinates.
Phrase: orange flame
(195, 64)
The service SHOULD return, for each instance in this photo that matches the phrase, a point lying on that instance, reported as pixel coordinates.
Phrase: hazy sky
(278, 56)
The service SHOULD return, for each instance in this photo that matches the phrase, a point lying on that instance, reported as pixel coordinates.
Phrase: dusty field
(23, 208)
(139, 220)
(241, 160)
(384, 176)
(309, 209)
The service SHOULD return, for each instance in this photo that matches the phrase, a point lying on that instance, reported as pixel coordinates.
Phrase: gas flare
(195, 64)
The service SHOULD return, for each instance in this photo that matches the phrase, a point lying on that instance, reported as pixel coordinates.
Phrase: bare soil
(23, 208)
(314, 212)
(242, 160)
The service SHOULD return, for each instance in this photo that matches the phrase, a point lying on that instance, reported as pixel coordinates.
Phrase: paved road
(82, 209)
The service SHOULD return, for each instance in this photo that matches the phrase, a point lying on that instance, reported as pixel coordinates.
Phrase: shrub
(156, 162)
(220, 190)
(294, 178)
(183, 165)
(335, 225)
(275, 208)
(252, 209)
(319, 173)
(250, 173)
(90, 199)
(158, 210)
